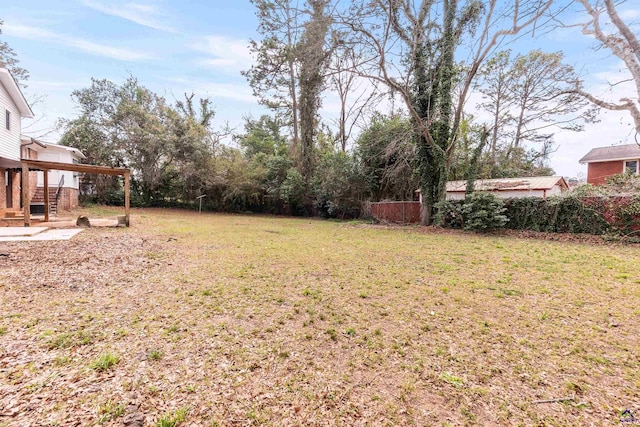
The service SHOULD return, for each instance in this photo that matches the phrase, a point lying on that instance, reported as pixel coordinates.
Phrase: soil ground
(205, 319)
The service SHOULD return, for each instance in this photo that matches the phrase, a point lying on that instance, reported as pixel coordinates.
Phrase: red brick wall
(16, 189)
(33, 183)
(401, 212)
(68, 199)
(597, 173)
(3, 189)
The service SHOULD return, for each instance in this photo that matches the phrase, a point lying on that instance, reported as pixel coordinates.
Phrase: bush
(450, 212)
(483, 212)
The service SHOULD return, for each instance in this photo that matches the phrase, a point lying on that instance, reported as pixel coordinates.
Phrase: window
(631, 167)
(7, 117)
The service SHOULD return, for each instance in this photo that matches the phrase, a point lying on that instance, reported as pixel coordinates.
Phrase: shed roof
(510, 184)
(15, 93)
(615, 152)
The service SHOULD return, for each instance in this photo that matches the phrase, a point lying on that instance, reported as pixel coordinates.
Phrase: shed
(507, 188)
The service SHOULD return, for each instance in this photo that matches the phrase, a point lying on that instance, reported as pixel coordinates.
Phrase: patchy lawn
(206, 320)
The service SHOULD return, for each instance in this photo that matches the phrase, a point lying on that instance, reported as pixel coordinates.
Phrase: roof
(607, 154)
(15, 93)
(28, 140)
(510, 184)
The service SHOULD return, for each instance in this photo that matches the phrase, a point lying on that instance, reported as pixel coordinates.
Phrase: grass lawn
(207, 320)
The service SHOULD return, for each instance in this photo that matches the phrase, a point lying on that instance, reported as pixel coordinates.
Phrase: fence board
(398, 212)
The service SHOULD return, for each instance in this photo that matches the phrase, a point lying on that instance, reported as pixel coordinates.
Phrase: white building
(63, 185)
(507, 188)
(13, 107)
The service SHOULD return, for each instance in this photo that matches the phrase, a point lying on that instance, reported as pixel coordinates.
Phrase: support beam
(46, 195)
(127, 197)
(75, 167)
(26, 195)
(46, 166)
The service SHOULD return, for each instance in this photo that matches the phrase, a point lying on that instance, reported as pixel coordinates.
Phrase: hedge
(563, 214)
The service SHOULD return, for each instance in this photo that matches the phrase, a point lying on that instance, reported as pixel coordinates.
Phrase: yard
(205, 320)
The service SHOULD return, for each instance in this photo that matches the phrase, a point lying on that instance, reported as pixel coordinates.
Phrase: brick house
(13, 107)
(603, 162)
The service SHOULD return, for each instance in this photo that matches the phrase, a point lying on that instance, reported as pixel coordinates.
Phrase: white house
(13, 107)
(507, 188)
(63, 185)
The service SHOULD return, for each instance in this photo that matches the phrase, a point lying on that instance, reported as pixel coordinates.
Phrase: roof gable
(13, 90)
(613, 153)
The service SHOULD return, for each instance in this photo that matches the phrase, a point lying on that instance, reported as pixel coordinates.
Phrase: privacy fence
(397, 212)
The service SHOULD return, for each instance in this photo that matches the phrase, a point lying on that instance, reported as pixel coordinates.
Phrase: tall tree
(9, 60)
(412, 47)
(128, 125)
(527, 96)
(313, 62)
(609, 29)
(274, 76)
(354, 96)
(494, 82)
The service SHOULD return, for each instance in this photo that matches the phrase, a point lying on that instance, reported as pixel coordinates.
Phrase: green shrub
(450, 213)
(483, 212)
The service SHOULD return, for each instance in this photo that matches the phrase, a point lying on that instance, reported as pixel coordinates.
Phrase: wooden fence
(398, 212)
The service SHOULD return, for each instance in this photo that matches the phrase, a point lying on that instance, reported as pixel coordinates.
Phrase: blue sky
(174, 47)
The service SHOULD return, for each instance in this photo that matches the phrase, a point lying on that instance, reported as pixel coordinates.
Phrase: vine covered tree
(412, 49)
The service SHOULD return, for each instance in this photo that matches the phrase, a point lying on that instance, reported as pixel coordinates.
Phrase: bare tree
(354, 99)
(623, 43)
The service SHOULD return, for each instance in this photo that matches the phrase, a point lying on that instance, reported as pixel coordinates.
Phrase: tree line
(403, 72)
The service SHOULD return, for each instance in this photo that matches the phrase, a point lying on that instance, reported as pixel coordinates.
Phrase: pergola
(42, 165)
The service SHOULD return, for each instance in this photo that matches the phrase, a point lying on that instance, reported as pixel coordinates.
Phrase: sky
(200, 46)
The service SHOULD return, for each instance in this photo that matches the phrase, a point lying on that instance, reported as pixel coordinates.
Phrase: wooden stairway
(38, 197)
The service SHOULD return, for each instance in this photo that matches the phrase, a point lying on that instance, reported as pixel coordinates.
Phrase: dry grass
(244, 320)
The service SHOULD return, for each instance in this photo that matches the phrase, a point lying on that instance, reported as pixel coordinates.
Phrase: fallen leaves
(243, 320)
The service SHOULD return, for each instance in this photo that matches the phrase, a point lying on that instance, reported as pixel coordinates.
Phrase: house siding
(507, 194)
(70, 178)
(597, 173)
(9, 139)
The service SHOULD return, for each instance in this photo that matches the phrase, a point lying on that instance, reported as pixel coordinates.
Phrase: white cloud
(41, 34)
(225, 53)
(629, 14)
(142, 14)
(50, 85)
(238, 92)
(231, 91)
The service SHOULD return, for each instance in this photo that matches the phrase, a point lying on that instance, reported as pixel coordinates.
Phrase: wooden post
(127, 195)
(46, 195)
(26, 195)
